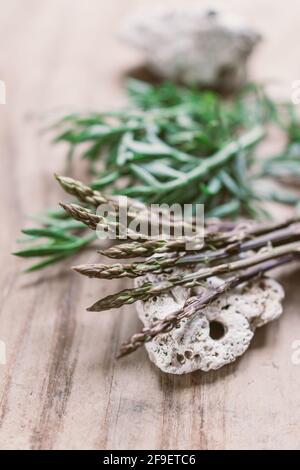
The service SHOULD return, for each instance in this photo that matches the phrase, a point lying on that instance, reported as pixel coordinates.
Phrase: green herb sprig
(170, 145)
(165, 146)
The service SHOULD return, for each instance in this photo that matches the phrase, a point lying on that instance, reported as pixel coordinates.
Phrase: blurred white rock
(193, 45)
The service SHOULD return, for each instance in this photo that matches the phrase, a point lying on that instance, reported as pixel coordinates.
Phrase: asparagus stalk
(82, 214)
(232, 240)
(159, 264)
(81, 191)
(149, 247)
(277, 237)
(94, 198)
(148, 289)
(94, 222)
(133, 270)
(195, 304)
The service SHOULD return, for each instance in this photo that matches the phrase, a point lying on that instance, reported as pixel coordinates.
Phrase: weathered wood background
(61, 387)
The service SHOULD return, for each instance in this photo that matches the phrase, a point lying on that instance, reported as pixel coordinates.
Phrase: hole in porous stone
(216, 330)
(180, 358)
(188, 354)
(226, 307)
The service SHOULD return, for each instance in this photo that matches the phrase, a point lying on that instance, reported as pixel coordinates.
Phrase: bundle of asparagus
(239, 252)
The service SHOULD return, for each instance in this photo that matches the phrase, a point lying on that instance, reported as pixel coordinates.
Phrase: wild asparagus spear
(232, 239)
(94, 222)
(149, 289)
(81, 191)
(195, 304)
(135, 209)
(162, 263)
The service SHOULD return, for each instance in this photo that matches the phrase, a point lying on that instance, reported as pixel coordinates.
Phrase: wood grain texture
(61, 387)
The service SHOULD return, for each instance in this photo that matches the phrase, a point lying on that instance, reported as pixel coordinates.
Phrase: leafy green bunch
(153, 150)
(169, 145)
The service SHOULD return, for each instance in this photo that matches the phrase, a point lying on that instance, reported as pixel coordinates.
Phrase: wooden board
(61, 387)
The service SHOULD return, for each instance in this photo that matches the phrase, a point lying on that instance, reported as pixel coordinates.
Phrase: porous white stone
(191, 345)
(259, 301)
(193, 45)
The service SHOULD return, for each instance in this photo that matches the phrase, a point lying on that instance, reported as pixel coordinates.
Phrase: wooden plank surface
(61, 387)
